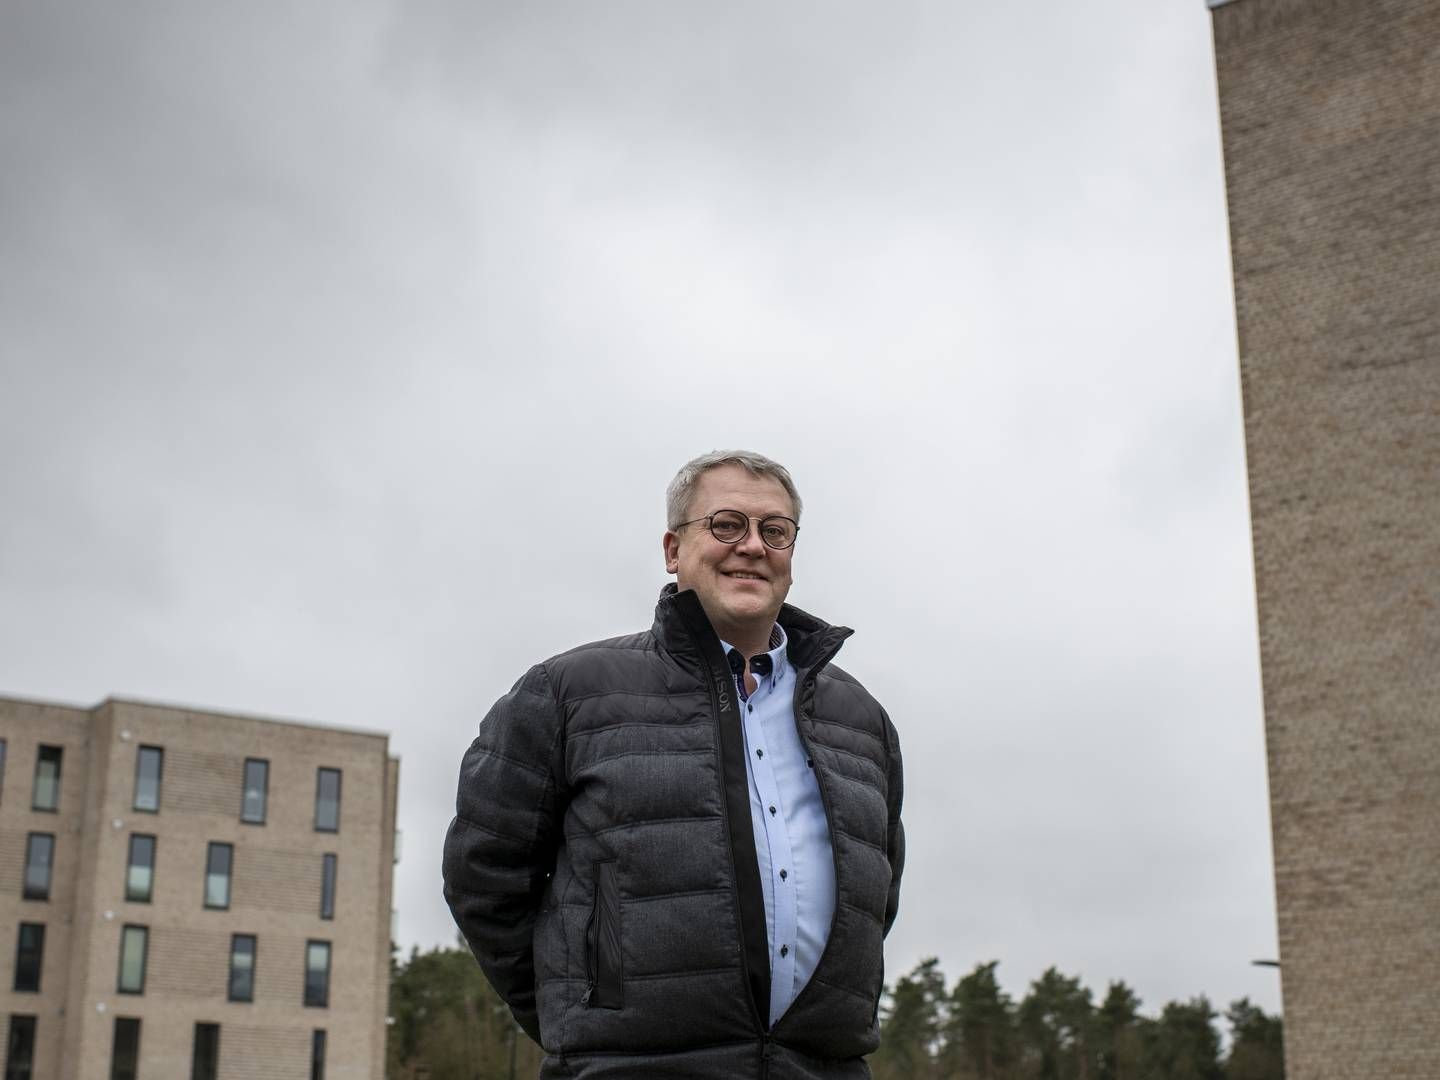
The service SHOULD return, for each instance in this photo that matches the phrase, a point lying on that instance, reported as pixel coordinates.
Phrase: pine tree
(1117, 1035)
(1257, 1050)
(1056, 1018)
(1183, 1043)
(979, 1038)
(911, 1029)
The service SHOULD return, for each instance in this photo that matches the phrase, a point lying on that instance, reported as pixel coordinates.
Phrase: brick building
(1330, 113)
(192, 896)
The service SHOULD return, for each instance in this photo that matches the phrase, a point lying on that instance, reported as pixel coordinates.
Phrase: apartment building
(187, 894)
(1331, 117)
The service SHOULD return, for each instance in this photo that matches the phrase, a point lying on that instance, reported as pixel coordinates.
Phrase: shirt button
(784, 874)
(749, 708)
(810, 763)
(784, 950)
(772, 810)
(759, 753)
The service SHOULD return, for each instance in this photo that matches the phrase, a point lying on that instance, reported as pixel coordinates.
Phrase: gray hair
(682, 488)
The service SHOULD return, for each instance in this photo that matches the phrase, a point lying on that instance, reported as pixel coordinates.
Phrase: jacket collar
(679, 616)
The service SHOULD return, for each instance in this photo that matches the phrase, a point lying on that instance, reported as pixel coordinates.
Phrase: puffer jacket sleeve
(501, 846)
(894, 830)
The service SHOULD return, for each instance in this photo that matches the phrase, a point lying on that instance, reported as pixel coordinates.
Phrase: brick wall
(1331, 117)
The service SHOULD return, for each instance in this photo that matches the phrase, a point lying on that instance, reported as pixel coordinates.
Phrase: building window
(47, 779)
(256, 790)
(317, 1055)
(149, 763)
(217, 875)
(327, 886)
(39, 863)
(327, 800)
(205, 1060)
(29, 957)
(125, 1055)
(242, 967)
(2, 768)
(140, 869)
(134, 944)
(20, 1048)
(317, 973)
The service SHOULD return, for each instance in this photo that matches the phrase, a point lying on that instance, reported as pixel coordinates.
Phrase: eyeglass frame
(710, 518)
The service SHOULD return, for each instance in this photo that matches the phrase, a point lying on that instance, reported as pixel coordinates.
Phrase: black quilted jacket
(601, 863)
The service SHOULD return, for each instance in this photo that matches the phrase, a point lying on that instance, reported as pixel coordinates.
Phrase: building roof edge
(230, 714)
(236, 715)
(47, 703)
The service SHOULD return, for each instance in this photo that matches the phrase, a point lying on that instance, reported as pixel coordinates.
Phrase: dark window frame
(25, 892)
(37, 950)
(133, 1069)
(329, 873)
(254, 941)
(2, 769)
(264, 791)
(144, 958)
(24, 1069)
(59, 775)
(322, 999)
(317, 1054)
(159, 779)
(339, 782)
(130, 864)
(229, 874)
(208, 1066)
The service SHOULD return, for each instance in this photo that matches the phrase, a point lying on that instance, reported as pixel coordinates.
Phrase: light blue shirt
(792, 839)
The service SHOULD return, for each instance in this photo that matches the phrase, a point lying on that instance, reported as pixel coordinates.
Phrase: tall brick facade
(274, 890)
(1330, 112)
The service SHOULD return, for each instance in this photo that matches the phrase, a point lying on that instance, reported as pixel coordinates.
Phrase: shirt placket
(777, 838)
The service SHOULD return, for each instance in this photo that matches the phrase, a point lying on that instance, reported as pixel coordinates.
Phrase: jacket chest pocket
(603, 968)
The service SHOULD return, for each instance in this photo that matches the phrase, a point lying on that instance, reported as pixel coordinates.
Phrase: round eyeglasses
(731, 526)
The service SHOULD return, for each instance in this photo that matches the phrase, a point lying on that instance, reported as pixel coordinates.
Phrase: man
(676, 854)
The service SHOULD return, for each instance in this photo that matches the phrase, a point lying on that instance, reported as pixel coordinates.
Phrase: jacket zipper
(591, 962)
(604, 986)
(729, 847)
(755, 1013)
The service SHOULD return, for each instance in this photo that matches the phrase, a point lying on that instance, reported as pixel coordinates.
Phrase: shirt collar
(767, 664)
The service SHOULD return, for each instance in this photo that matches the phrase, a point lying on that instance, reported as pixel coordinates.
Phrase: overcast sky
(347, 349)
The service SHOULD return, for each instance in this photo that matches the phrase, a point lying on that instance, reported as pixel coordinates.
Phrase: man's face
(741, 584)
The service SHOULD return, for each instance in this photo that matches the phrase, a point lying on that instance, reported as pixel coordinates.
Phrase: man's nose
(751, 543)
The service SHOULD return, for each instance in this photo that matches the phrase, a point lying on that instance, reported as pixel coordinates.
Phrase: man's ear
(671, 543)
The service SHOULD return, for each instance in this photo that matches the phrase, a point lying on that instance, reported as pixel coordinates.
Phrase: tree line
(448, 1024)
(974, 1030)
